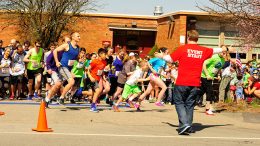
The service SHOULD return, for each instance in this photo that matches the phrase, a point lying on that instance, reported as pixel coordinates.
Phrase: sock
(47, 99)
(93, 105)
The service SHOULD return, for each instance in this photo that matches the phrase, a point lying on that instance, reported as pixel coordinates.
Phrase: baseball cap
(131, 54)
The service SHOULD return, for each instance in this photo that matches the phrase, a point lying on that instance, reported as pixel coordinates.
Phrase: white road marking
(138, 136)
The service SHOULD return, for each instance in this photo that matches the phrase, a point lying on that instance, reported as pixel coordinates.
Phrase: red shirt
(191, 58)
(97, 65)
(257, 85)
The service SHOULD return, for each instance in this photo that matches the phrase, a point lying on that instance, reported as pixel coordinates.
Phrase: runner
(117, 67)
(158, 64)
(34, 59)
(128, 69)
(4, 72)
(17, 70)
(64, 66)
(131, 86)
(95, 77)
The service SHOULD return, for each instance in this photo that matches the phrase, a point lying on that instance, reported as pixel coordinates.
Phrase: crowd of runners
(70, 73)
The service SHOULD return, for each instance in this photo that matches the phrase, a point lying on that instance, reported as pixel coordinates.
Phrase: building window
(231, 33)
(241, 55)
(208, 32)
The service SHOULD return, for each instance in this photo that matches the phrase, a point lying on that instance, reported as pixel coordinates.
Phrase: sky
(146, 7)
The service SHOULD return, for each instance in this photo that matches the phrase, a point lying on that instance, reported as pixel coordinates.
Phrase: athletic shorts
(91, 85)
(47, 79)
(65, 73)
(77, 82)
(130, 89)
(33, 73)
(16, 79)
(153, 76)
(56, 77)
(120, 85)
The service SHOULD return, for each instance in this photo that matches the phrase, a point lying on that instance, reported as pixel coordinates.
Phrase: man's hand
(232, 49)
(209, 77)
(49, 71)
(92, 79)
(58, 64)
(158, 55)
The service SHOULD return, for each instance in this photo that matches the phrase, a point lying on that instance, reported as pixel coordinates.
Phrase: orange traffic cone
(42, 120)
(2, 113)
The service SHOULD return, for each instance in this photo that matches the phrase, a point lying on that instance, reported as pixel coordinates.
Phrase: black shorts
(120, 85)
(47, 79)
(113, 85)
(16, 79)
(77, 82)
(90, 85)
(32, 73)
(4, 80)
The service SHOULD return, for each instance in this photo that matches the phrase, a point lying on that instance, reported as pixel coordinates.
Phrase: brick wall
(94, 30)
(168, 34)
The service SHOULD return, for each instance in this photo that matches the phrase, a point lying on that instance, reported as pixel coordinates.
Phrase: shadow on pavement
(152, 110)
(198, 126)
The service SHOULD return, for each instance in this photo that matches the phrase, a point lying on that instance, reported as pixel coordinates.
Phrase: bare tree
(43, 20)
(243, 14)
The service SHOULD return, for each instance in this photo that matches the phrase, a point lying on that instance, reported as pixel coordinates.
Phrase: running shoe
(184, 130)
(137, 106)
(11, 97)
(30, 97)
(131, 105)
(210, 113)
(47, 103)
(152, 100)
(61, 101)
(36, 95)
(115, 108)
(94, 110)
(158, 104)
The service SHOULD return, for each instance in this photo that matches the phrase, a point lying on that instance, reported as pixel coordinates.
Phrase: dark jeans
(184, 98)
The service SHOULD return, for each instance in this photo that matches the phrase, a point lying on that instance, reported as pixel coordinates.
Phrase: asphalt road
(76, 126)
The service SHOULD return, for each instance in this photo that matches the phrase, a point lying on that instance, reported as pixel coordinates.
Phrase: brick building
(137, 33)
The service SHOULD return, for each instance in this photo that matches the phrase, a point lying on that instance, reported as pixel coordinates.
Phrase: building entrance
(137, 41)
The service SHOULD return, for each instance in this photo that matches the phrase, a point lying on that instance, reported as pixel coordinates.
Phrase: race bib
(17, 69)
(35, 64)
(215, 71)
(71, 62)
(80, 65)
(5, 70)
(99, 72)
(117, 73)
(49, 80)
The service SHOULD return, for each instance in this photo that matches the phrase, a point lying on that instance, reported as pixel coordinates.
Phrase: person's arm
(128, 70)
(151, 68)
(204, 68)
(223, 48)
(63, 47)
(143, 80)
(26, 58)
(89, 75)
(251, 90)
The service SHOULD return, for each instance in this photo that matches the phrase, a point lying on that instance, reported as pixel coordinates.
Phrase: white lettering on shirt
(194, 53)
